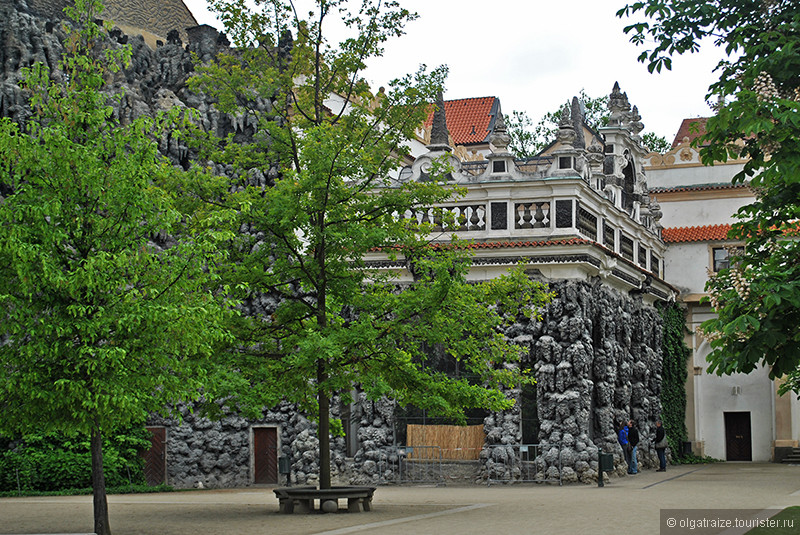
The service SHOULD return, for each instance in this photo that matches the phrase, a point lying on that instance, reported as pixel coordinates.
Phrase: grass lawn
(787, 522)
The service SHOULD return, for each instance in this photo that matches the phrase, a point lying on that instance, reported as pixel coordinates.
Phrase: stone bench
(301, 499)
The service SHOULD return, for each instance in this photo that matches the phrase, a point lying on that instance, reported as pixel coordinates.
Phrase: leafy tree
(758, 299)
(656, 143)
(335, 321)
(528, 140)
(102, 321)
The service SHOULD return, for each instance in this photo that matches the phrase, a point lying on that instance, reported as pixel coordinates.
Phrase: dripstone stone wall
(596, 355)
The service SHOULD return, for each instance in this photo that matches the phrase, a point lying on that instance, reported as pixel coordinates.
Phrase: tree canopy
(105, 318)
(758, 119)
(328, 148)
(529, 139)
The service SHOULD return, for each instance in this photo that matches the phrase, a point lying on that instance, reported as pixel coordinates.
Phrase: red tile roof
(687, 130)
(694, 234)
(469, 120)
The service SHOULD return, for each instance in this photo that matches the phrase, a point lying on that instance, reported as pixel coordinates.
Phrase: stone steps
(792, 458)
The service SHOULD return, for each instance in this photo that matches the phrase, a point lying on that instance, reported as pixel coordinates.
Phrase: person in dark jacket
(622, 438)
(660, 443)
(633, 440)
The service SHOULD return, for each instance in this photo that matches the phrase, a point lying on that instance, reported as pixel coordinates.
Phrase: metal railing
(523, 463)
(411, 465)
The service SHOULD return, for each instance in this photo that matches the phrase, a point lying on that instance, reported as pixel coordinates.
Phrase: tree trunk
(324, 429)
(101, 525)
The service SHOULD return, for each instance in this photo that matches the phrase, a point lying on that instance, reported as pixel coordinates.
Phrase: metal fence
(524, 463)
(407, 464)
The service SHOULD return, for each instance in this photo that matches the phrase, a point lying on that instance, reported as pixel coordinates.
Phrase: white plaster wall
(714, 397)
(691, 175)
(685, 266)
(701, 212)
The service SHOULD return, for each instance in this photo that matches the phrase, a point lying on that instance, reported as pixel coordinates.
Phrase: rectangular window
(626, 247)
(608, 236)
(565, 162)
(722, 256)
(499, 166)
(655, 264)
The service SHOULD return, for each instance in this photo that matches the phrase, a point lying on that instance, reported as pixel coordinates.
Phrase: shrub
(56, 462)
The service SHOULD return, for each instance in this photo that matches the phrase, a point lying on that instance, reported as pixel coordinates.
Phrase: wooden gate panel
(155, 459)
(265, 455)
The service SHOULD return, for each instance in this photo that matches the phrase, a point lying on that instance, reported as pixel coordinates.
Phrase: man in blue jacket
(622, 438)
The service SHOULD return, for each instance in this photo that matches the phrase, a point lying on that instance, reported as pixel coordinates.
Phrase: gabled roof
(688, 130)
(695, 234)
(469, 120)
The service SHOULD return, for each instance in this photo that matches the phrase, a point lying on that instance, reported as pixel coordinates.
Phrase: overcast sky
(535, 55)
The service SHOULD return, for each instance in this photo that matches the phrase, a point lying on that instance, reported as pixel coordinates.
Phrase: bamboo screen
(456, 442)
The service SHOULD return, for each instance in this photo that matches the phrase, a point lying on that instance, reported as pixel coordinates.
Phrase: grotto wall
(596, 355)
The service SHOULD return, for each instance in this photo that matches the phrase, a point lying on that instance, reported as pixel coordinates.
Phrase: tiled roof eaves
(696, 234)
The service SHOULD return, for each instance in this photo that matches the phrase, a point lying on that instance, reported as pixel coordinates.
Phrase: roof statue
(566, 130)
(152, 19)
(499, 138)
(618, 105)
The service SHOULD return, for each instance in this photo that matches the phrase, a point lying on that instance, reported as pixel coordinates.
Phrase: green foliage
(529, 139)
(691, 458)
(673, 377)
(103, 320)
(101, 325)
(341, 322)
(656, 143)
(56, 462)
(758, 300)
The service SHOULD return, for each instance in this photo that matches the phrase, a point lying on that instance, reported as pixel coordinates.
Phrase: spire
(439, 134)
(577, 122)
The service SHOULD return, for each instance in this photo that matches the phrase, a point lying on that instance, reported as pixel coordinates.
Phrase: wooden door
(265, 455)
(155, 459)
(738, 443)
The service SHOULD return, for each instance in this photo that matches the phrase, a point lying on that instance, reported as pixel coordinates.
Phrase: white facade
(731, 417)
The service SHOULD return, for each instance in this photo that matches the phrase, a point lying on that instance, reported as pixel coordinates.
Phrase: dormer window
(499, 166)
(565, 162)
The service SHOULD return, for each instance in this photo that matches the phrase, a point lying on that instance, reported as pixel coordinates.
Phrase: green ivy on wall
(673, 376)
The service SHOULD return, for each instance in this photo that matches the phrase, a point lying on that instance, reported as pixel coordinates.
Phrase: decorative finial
(439, 133)
(636, 121)
(566, 132)
(499, 138)
(618, 105)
